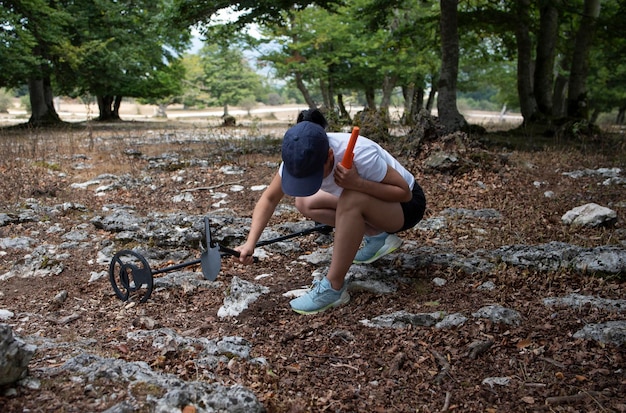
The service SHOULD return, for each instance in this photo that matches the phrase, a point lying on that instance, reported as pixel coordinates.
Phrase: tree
(107, 49)
(447, 109)
(35, 37)
(132, 43)
(228, 77)
(607, 74)
(577, 100)
(194, 93)
(527, 101)
(249, 11)
(164, 87)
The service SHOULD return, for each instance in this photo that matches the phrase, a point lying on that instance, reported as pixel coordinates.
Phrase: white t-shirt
(370, 159)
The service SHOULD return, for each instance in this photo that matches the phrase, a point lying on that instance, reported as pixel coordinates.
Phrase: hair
(313, 115)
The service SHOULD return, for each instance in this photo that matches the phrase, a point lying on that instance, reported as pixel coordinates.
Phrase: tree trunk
(326, 100)
(370, 98)
(528, 104)
(108, 107)
(621, 115)
(41, 102)
(577, 92)
(417, 104)
(449, 115)
(407, 95)
(162, 111)
(389, 83)
(546, 49)
(305, 92)
(116, 107)
(559, 101)
(430, 102)
(330, 85)
(413, 102)
(343, 113)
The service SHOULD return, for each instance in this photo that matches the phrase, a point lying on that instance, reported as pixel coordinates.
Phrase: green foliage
(228, 78)
(125, 45)
(351, 49)
(133, 48)
(607, 75)
(30, 38)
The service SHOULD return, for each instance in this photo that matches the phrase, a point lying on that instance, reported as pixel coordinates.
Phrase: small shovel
(210, 258)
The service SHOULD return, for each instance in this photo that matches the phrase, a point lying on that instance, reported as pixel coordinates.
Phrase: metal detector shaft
(323, 228)
(177, 266)
(198, 261)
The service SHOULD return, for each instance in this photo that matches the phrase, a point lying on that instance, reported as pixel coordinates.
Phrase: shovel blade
(210, 259)
(211, 263)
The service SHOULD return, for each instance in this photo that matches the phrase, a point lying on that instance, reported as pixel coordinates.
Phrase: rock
(5, 314)
(442, 161)
(579, 300)
(545, 257)
(499, 314)
(591, 215)
(14, 356)
(213, 397)
(241, 294)
(41, 262)
(605, 259)
(452, 320)
(611, 332)
(402, 319)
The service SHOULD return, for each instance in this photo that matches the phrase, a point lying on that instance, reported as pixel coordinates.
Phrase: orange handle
(346, 162)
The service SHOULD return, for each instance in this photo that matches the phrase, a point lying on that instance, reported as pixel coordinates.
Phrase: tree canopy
(551, 59)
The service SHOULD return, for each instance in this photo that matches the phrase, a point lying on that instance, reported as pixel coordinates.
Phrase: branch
(573, 398)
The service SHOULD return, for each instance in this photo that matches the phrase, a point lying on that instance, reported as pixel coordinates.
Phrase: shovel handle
(234, 253)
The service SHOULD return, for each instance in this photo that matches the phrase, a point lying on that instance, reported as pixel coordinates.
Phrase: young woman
(369, 202)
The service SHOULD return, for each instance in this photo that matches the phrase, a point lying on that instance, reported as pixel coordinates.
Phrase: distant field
(77, 112)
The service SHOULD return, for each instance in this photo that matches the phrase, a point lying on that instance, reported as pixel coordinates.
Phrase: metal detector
(129, 272)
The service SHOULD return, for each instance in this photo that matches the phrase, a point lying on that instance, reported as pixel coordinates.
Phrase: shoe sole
(386, 249)
(343, 299)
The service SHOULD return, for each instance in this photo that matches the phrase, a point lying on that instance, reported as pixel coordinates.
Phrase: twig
(208, 188)
(573, 398)
(445, 366)
(553, 362)
(344, 365)
(446, 403)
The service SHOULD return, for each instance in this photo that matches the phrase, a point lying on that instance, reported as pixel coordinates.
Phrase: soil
(330, 361)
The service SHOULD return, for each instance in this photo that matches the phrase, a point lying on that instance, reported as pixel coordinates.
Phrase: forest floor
(330, 361)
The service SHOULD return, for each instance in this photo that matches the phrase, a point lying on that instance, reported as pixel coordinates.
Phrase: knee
(352, 200)
(303, 206)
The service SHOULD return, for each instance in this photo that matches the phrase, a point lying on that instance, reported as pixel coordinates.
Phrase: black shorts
(414, 209)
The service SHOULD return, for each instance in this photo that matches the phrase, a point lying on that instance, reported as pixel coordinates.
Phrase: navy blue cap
(305, 150)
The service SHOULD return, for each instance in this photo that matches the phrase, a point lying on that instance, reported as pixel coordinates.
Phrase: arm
(263, 211)
(393, 188)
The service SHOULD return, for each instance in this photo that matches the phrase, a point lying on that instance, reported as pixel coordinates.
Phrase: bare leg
(319, 207)
(354, 209)
(322, 207)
